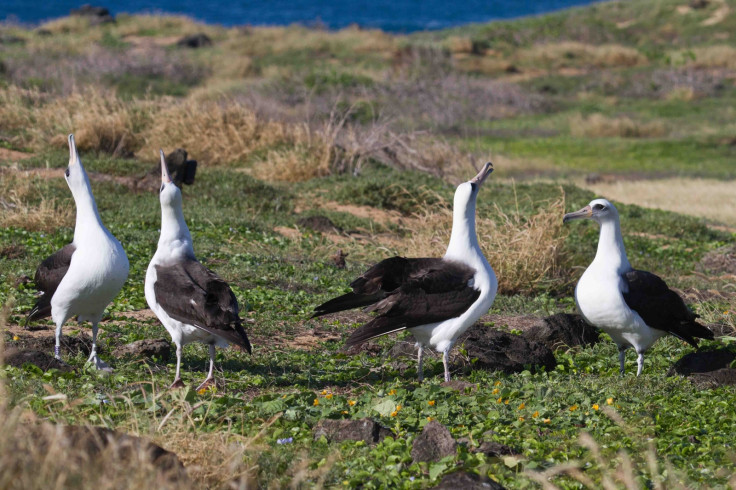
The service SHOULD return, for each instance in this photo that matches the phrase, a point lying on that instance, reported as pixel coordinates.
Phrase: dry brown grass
(525, 252)
(570, 53)
(600, 126)
(21, 207)
(717, 56)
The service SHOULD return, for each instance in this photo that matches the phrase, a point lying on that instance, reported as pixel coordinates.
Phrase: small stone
(366, 429)
(467, 481)
(339, 259)
(502, 351)
(434, 443)
(494, 449)
(198, 40)
(96, 15)
(563, 330)
(148, 348)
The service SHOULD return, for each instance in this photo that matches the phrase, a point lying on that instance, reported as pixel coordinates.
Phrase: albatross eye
(473, 186)
(599, 207)
(66, 172)
(162, 188)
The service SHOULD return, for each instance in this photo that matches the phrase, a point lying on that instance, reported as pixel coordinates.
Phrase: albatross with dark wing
(191, 301)
(634, 307)
(436, 299)
(83, 277)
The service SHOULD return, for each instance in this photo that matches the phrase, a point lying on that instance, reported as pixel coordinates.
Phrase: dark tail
(42, 309)
(690, 332)
(345, 302)
(244, 342)
(374, 328)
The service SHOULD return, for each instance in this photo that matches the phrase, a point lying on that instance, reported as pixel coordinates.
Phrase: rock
(467, 481)
(96, 15)
(434, 443)
(198, 40)
(17, 358)
(148, 348)
(702, 362)
(502, 351)
(562, 330)
(699, 4)
(403, 350)
(320, 223)
(714, 379)
(366, 429)
(493, 449)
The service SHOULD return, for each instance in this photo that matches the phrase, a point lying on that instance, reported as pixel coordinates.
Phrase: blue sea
(399, 16)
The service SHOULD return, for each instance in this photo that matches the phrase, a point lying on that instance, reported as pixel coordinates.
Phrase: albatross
(191, 301)
(436, 299)
(634, 307)
(84, 276)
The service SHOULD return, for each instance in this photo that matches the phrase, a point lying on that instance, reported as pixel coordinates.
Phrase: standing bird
(82, 278)
(634, 307)
(436, 299)
(191, 301)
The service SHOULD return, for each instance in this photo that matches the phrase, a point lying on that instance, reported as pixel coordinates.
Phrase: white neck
(611, 251)
(464, 239)
(88, 219)
(175, 237)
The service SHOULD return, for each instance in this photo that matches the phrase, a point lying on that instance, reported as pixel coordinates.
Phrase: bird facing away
(634, 307)
(436, 299)
(82, 278)
(191, 301)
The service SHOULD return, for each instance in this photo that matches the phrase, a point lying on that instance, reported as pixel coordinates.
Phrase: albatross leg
(420, 361)
(621, 359)
(639, 363)
(210, 378)
(445, 361)
(99, 364)
(178, 383)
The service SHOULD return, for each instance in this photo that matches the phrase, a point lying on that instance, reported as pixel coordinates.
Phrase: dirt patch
(148, 41)
(319, 223)
(378, 215)
(290, 233)
(718, 16)
(7, 155)
(721, 261)
(17, 358)
(44, 340)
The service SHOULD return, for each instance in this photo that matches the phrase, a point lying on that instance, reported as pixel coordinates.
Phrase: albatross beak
(73, 154)
(165, 177)
(483, 174)
(584, 213)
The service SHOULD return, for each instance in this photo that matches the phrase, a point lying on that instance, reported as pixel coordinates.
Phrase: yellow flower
(344, 412)
(535, 414)
(431, 403)
(609, 401)
(202, 391)
(726, 312)
(497, 383)
(392, 392)
(352, 403)
(283, 396)
(500, 399)
(429, 419)
(522, 406)
(15, 337)
(573, 408)
(394, 413)
(329, 396)
(324, 392)
(315, 402)
(595, 406)
(495, 391)
(506, 402)
(546, 421)
(398, 407)
(521, 419)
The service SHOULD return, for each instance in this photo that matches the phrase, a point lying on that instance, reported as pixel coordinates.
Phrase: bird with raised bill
(436, 299)
(634, 307)
(192, 302)
(84, 276)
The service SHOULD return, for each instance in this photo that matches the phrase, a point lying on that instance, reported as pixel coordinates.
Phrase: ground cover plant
(310, 142)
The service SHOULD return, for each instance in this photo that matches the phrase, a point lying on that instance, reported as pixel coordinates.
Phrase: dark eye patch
(474, 186)
(599, 207)
(162, 188)
(66, 172)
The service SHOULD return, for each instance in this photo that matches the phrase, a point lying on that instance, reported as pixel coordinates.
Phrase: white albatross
(436, 299)
(83, 277)
(634, 307)
(191, 301)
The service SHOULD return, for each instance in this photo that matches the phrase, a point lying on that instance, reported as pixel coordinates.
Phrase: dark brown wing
(388, 276)
(192, 294)
(48, 276)
(662, 308)
(407, 293)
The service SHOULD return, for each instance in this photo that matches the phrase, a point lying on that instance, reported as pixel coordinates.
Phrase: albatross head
(599, 210)
(74, 174)
(467, 192)
(170, 195)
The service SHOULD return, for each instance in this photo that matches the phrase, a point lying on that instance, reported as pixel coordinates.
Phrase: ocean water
(389, 15)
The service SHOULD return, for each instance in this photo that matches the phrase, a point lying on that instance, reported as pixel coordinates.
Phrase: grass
(372, 131)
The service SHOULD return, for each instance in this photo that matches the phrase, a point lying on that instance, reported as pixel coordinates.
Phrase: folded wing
(48, 276)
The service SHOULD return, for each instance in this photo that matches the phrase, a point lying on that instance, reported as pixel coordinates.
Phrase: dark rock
(494, 449)
(461, 386)
(149, 348)
(467, 481)
(198, 40)
(366, 429)
(434, 443)
(96, 15)
(403, 350)
(339, 259)
(512, 69)
(502, 351)
(8, 39)
(714, 379)
(320, 223)
(702, 362)
(70, 344)
(17, 358)
(562, 330)
(699, 4)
